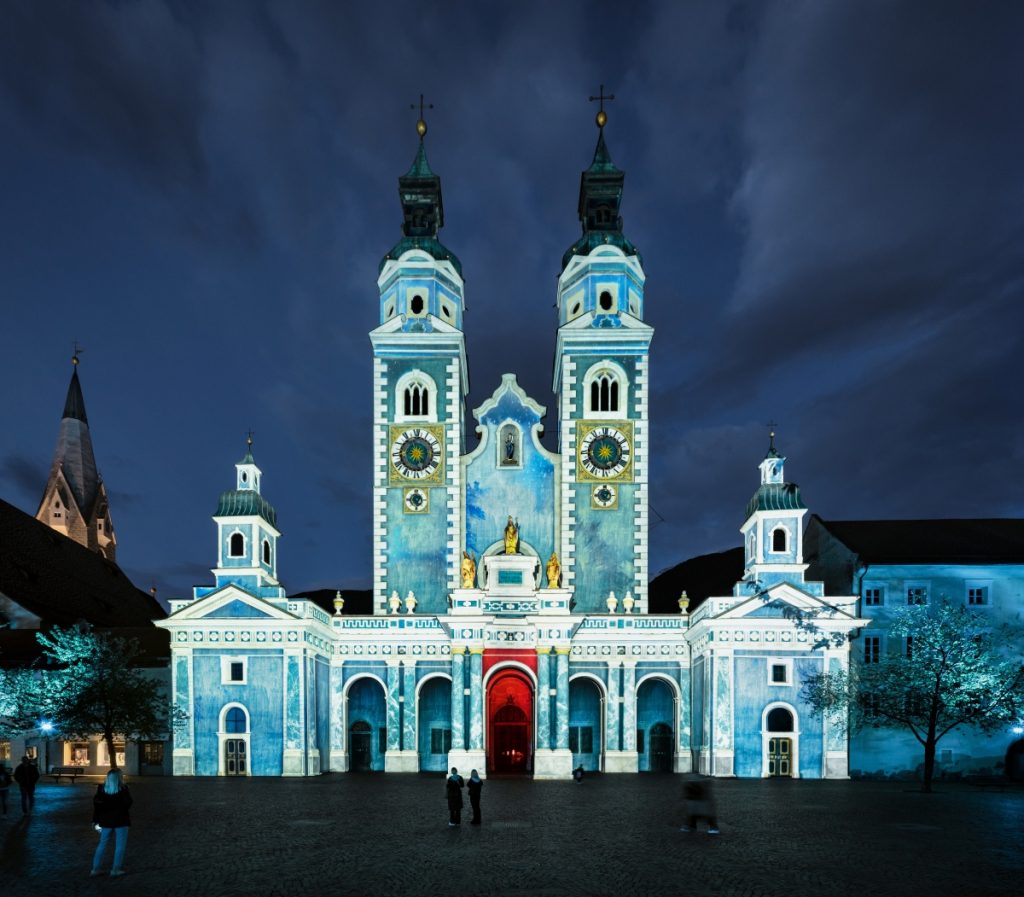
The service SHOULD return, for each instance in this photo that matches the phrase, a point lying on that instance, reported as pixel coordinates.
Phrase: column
(338, 739)
(684, 756)
(292, 764)
(409, 706)
(543, 699)
(393, 707)
(184, 738)
(611, 712)
(476, 699)
(562, 699)
(629, 706)
(458, 700)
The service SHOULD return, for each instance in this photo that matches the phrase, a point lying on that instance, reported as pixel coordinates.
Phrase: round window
(416, 306)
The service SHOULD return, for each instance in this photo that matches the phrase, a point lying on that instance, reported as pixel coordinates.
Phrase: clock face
(605, 496)
(605, 453)
(417, 501)
(415, 453)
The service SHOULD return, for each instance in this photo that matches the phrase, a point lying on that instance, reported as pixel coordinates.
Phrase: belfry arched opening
(510, 723)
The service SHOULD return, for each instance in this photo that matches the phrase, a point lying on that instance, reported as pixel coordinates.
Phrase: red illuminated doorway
(510, 723)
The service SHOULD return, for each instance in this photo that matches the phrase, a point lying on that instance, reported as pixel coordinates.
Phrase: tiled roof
(775, 497)
(953, 541)
(246, 503)
(62, 582)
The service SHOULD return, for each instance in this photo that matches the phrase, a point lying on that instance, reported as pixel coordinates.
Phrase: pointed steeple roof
(599, 203)
(74, 405)
(419, 191)
(74, 454)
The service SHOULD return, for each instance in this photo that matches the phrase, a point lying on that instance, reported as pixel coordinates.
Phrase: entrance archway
(367, 725)
(509, 723)
(655, 716)
(780, 742)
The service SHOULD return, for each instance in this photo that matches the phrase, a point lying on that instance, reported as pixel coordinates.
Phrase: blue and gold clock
(604, 452)
(417, 454)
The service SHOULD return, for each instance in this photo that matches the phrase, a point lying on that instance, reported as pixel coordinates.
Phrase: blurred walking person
(700, 804)
(26, 775)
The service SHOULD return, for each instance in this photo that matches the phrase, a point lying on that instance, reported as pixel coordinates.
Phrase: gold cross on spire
(78, 351)
(602, 116)
(771, 436)
(248, 438)
(421, 125)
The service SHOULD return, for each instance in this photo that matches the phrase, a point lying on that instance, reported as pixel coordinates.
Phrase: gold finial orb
(602, 118)
(421, 128)
(74, 360)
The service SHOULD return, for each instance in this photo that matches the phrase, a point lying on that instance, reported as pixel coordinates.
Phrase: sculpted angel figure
(511, 537)
(468, 571)
(554, 571)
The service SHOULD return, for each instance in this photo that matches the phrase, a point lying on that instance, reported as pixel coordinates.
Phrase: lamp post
(46, 727)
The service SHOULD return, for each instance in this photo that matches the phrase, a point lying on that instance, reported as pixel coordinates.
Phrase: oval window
(606, 301)
(416, 305)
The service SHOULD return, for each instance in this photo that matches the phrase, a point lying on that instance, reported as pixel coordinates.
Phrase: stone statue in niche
(509, 446)
(554, 571)
(468, 571)
(511, 537)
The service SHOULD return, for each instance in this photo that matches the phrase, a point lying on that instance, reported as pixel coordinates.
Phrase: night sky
(828, 198)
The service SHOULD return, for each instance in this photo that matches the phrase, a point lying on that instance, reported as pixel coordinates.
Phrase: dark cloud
(826, 196)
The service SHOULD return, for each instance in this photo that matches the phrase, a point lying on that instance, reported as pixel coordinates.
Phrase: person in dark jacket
(453, 791)
(110, 814)
(26, 775)
(475, 786)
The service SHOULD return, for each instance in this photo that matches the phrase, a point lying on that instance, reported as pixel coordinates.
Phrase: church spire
(75, 501)
(419, 191)
(600, 198)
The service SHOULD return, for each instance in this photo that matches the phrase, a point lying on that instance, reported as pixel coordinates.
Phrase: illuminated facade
(510, 630)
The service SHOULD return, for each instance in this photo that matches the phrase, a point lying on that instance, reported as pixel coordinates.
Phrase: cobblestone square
(347, 834)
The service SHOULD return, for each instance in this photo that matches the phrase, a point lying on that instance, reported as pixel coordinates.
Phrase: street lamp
(46, 727)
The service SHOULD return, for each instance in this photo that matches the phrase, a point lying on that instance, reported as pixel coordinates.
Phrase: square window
(234, 670)
(779, 673)
(153, 753)
(79, 753)
(977, 594)
(873, 596)
(440, 741)
(917, 594)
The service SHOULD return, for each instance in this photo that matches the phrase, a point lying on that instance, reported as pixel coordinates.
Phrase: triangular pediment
(230, 602)
(778, 602)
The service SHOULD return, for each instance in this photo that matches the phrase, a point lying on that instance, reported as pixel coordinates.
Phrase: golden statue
(468, 571)
(511, 537)
(554, 571)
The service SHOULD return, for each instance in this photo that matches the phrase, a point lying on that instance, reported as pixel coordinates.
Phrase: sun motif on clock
(604, 452)
(416, 454)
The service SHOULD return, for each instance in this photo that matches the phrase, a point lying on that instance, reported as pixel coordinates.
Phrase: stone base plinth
(552, 764)
(465, 761)
(683, 762)
(339, 761)
(401, 761)
(621, 761)
(184, 762)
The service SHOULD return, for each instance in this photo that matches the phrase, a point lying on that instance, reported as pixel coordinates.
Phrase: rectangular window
(574, 739)
(152, 753)
(917, 593)
(639, 741)
(873, 597)
(440, 741)
(977, 594)
(234, 670)
(79, 753)
(104, 759)
(778, 672)
(5, 750)
(382, 741)
(872, 648)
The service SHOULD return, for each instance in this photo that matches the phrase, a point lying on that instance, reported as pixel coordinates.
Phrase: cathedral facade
(510, 630)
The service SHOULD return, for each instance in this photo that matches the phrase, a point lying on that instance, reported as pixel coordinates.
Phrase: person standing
(26, 775)
(577, 774)
(5, 786)
(475, 786)
(110, 814)
(453, 791)
(700, 804)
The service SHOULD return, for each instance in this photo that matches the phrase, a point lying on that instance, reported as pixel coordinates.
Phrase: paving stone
(613, 835)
